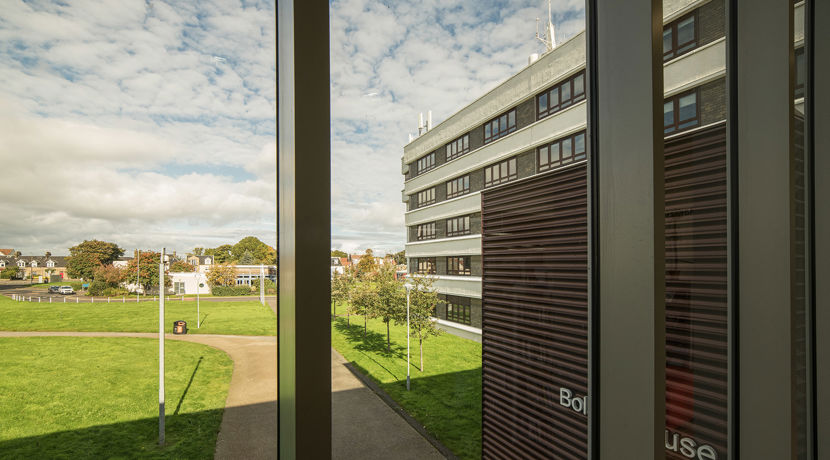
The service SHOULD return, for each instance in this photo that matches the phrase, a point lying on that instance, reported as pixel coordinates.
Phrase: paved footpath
(249, 424)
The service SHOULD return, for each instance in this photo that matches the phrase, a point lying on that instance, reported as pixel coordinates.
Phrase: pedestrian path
(364, 427)
(249, 423)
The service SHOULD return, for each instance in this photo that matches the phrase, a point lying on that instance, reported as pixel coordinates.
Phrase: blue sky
(152, 123)
(148, 123)
(393, 60)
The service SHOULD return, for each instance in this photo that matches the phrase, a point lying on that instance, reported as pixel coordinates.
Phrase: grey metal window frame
(501, 132)
(561, 104)
(464, 222)
(425, 231)
(673, 53)
(463, 141)
(459, 265)
(425, 163)
(493, 168)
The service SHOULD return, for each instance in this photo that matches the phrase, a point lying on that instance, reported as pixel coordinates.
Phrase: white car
(65, 290)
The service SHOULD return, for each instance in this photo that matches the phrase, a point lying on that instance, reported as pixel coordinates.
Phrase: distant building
(36, 266)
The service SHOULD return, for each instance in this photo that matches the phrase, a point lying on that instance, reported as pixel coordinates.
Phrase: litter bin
(180, 327)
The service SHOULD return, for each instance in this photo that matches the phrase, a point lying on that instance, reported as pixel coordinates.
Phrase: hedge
(231, 290)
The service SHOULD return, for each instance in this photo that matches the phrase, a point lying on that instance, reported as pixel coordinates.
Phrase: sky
(152, 123)
(146, 123)
(391, 61)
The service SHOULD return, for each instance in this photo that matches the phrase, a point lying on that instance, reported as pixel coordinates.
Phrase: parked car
(54, 289)
(66, 290)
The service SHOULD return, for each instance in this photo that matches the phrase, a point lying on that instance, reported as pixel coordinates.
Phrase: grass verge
(445, 397)
(236, 318)
(69, 397)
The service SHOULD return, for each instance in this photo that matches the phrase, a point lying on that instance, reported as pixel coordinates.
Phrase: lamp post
(198, 316)
(161, 348)
(407, 337)
(138, 275)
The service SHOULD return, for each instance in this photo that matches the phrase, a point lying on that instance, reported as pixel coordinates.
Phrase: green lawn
(445, 398)
(70, 398)
(237, 318)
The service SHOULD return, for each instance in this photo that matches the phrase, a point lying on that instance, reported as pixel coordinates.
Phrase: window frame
(572, 100)
(675, 100)
(497, 167)
(430, 265)
(459, 265)
(574, 157)
(463, 140)
(420, 170)
(426, 202)
(510, 129)
(427, 235)
(459, 191)
(465, 219)
(695, 42)
(455, 307)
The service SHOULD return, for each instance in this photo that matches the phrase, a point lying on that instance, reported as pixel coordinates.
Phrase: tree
(364, 301)
(198, 251)
(247, 259)
(422, 302)
(148, 278)
(258, 250)
(9, 273)
(342, 286)
(48, 254)
(85, 257)
(391, 301)
(181, 266)
(221, 254)
(222, 275)
(400, 258)
(82, 265)
(367, 264)
(110, 275)
(338, 253)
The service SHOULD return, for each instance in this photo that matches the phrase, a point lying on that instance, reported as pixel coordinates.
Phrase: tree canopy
(338, 253)
(179, 266)
(222, 275)
(85, 257)
(367, 264)
(148, 263)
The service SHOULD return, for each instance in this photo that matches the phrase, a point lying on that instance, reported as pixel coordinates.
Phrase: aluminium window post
(625, 60)
(818, 115)
(303, 222)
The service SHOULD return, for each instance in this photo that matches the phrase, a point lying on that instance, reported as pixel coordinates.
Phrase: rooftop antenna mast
(549, 38)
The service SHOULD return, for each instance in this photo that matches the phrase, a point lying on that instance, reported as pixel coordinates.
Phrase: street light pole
(138, 275)
(407, 338)
(262, 284)
(161, 348)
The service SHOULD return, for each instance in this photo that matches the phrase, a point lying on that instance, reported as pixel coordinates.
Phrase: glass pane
(579, 141)
(579, 85)
(668, 113)
(554, 97)
(511, 119)
(566, 148)
(503, 172)
(543, 102)
(466, 142)
(487, 176)
(555, 154)
(487, 131)
(565, 88)
(667, 40)
(688, 107)
(512, 165)
(503, 125)
(686, 31)
(543, 155)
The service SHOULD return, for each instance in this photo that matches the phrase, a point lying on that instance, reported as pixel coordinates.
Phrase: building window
(458, 147)
(500, 126)
(426, 197)
(34, 264)
(680, 36)
(799, 73)
(21, 264)
(562, 95)
(458, 312)
(458, 265)
(680, 112)
(2, 264)
(425, 163)
(458, 186)
(50, 264)
(426, 231)
(425, 265)
(500, 173)
(458, 226)
(561, 152)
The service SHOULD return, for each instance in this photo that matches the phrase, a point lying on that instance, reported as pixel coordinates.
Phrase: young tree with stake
(422, 302)
(391, 301)
(364, 301)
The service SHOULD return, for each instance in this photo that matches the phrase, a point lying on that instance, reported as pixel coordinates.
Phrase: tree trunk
(388, 346)
(421, 346)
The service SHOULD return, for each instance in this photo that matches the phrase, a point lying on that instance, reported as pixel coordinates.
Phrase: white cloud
(116, 123)
(430, 55)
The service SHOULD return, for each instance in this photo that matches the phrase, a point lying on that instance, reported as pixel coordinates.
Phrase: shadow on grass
(373, 342)
(191, 435)
(187, 388)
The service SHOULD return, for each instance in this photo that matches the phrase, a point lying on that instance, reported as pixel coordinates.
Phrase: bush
(270, 286)
(114, 292)
(76, 285)
(231, 290)
(96, 288)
